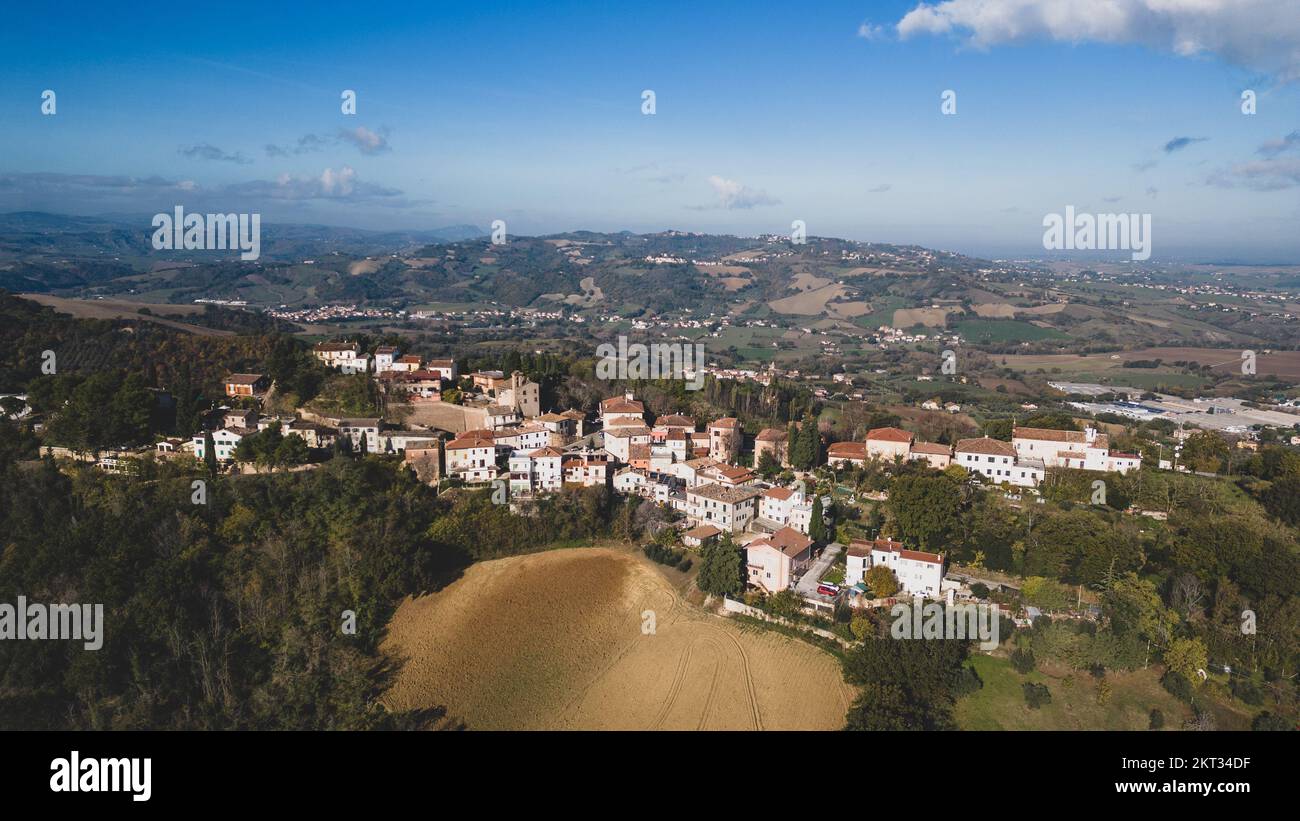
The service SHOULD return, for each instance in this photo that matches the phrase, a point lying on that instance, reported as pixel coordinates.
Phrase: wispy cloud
(1179, 143)
(1274, 147)
(363, 139)
(208, 151)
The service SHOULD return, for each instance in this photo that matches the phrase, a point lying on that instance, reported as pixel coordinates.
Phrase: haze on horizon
(762, 116)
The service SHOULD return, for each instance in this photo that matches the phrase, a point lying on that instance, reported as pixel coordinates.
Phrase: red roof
(889, 435)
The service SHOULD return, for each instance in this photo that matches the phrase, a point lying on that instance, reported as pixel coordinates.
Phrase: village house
(315, 435)
(247, 384)
(725, 436)
(886, 444)
(619, 440)
(773, 441)
(521, 394)
(472, 457)
(918, 573)
(1086, 449)
(425, 458)
(700, 536)
(364, 433)
(588, 468)
(407, 364)
(772, 562)
(224, 442)
(729, 508)
(776, 505)
(536, 470)
(488, 380)
(334, 354)
(444, 369)
(935, 455)
(996, 461)
(385, 355)
(846, 454)
(621, 411)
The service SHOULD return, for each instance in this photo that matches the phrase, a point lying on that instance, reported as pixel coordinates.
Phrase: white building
(918, 573)
(1087, 449)
(224, 442)
(730, 509)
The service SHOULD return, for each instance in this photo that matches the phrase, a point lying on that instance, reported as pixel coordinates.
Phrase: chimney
(1090, 433)
(629, 396)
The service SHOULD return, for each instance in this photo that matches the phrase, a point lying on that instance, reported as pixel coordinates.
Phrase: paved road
(807, 585)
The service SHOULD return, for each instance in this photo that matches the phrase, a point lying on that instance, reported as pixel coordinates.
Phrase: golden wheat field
(557, 640)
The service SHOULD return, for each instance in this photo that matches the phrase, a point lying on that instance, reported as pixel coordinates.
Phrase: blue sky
(765, 113)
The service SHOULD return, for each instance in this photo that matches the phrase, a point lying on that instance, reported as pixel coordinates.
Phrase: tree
(785, 604)
(1186, 657)
(817, 522)
(722, 569)
(927, 509)
(209, 453)
(882, 581)
(1022, 660)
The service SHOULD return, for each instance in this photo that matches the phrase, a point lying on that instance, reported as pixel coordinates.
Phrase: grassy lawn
(1000, 704)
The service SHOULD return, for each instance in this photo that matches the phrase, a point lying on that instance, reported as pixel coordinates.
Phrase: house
(732, 476)
(247, 384)
(315, 435)
(845, 454)
(936, 456)
(857, 561)
(674, 421)
(991, 458)
(801, 512)
(918, 573)
(724, 439)
(385, 355)
(562, 428)
(357, 364)
(587, 468)
(777, 503)
(472, 456)
(728, 508)
(772, 562)
(700, 536)
(406, 364)
(520, 394)
(334, 354)
(445, 369)
(224, 443)
(539, 470)
(772, 441)
(425, 458)
(526, 437)
(622, 411)
(488, 380)
(1086, 449)
(364, 433)
(579, 422)
(396, 441)
(239, 418)
(619, 440)
(886, 444)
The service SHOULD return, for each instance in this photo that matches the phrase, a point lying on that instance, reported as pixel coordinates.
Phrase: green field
(1000, 704)
(1004, 330)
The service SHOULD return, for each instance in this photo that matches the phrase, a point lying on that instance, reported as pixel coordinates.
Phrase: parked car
(828, 589)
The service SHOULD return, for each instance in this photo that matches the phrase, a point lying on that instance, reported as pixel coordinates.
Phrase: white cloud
(732, 195)
(1261, 35)
(366, 141)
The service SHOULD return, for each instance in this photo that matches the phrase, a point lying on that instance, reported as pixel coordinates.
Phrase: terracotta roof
(725, 422)
(888, 435)
(987, 446)
(621, 404)
(243, 378)
(889, 546)
(771, 435)
(472, 442)
(1072, 437)
(781, 493)
(847, 450)
(931, 447)
(673, 420)
(733, 473)
(546, 451)
(787, 540)
(628, 431)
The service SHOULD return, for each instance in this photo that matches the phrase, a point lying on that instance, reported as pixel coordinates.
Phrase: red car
(828, 590)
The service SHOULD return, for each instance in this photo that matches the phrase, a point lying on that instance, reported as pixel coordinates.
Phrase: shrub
(1023, 660)
(1248, 691)
(1177, 685)
(1037, 695)
(1156, 721)
(1267, 722)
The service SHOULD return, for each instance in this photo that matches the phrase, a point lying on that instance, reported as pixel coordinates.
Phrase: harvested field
(555, 641)
(811, 302)
(169, 315)
(1285, 364)
(930, 317)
